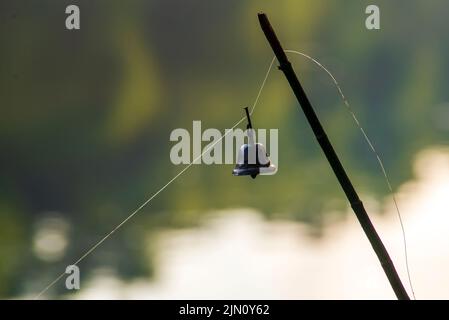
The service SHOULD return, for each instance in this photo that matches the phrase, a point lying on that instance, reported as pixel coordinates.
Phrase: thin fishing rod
(356, 204)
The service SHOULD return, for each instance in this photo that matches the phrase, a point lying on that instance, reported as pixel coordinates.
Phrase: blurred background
(85, 122)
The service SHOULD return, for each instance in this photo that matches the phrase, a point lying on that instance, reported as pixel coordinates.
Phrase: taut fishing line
(154, 195)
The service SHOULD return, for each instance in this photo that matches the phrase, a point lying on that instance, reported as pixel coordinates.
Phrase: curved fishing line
(143, 205)
(379, 160)
(368, 141)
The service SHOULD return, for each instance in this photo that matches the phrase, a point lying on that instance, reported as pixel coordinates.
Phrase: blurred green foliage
(86, 115)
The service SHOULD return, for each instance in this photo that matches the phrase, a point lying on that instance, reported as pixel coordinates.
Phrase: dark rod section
(320, 134)
(250, 125)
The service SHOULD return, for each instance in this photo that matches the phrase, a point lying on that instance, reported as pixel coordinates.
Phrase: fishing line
(88, 252)
(379, 160)
(368, 141)
(154, 195)
(144, 204)
(262, 85)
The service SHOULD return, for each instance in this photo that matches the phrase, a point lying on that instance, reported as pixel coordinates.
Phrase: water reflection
(236, 254)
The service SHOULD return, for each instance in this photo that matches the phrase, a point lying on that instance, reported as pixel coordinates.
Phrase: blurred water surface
(237, 254)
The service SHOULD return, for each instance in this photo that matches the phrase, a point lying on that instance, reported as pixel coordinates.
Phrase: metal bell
(253, 158)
